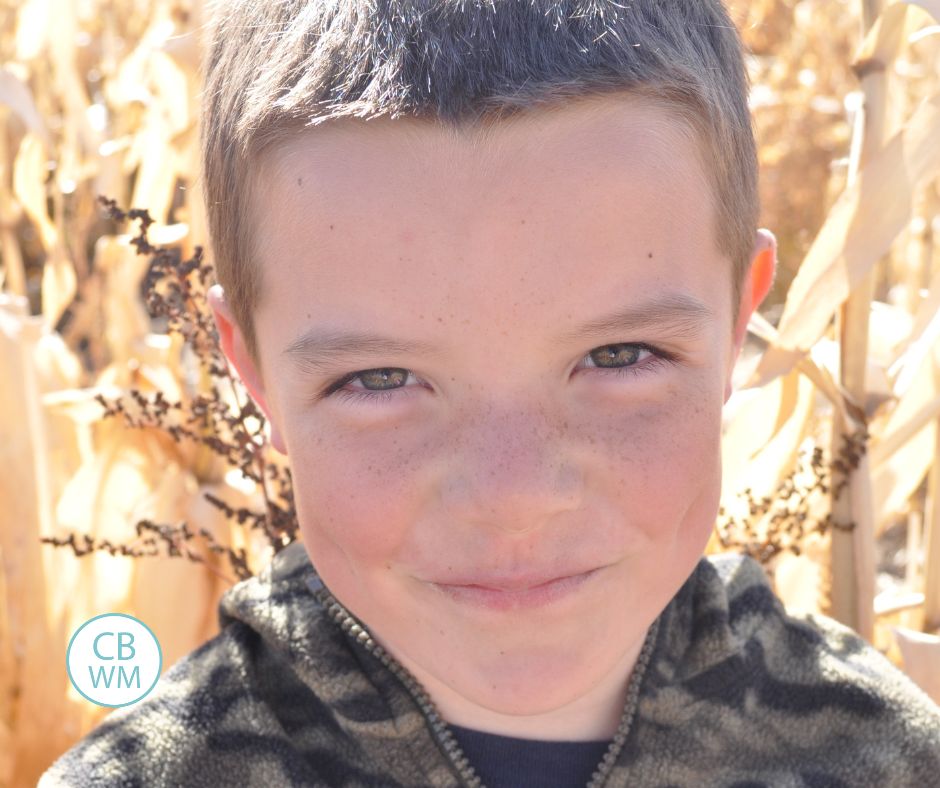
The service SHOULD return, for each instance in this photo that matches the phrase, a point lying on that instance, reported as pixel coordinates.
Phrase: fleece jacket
(729, 691)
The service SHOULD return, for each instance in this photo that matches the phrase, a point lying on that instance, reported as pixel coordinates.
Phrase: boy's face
(554, 320)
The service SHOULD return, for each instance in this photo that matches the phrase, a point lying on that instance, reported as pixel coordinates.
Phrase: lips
(509, 582)
(514, 593)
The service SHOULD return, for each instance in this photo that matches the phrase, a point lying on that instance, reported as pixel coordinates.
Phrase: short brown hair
(274, 66)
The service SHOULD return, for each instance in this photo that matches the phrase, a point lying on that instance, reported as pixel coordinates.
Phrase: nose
(512, 469)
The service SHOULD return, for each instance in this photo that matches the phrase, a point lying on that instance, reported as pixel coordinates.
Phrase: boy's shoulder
(806, 662)
(743, 691)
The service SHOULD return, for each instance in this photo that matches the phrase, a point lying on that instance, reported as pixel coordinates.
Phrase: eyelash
(657, 359)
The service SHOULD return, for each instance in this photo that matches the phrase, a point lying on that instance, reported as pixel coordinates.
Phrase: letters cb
(114, 659)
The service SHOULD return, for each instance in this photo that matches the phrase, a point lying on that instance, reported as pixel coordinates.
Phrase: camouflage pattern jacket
(729, 691)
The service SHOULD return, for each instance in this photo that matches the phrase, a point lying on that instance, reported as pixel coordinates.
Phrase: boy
(486, 266)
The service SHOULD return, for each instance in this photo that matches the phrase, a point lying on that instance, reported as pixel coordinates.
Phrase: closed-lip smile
(504, 593)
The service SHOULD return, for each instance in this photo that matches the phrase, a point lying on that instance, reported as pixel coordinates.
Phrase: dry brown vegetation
(830, 448)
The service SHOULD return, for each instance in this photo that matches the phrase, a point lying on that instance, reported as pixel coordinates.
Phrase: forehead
(606, 187)
(587, 136)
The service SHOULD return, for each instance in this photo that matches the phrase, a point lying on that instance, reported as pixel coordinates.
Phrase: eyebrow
(322, 351)
(677, 315)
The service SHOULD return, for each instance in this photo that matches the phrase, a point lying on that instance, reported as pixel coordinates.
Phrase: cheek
(661, 465)
(354, 494)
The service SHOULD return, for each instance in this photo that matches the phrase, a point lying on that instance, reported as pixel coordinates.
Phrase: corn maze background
(831, 444)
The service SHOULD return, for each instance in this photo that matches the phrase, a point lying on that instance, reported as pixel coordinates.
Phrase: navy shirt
(507, 762)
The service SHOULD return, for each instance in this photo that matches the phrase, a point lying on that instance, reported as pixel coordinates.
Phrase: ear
(756, 285)
(233, 346)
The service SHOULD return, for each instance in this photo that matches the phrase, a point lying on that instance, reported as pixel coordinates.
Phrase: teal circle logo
(114, 660)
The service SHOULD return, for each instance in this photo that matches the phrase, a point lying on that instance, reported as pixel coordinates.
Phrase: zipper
(444, 735)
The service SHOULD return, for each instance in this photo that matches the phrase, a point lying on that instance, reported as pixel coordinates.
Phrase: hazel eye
(627, 359)
(380, 384)
(384, 379)
(617, 356)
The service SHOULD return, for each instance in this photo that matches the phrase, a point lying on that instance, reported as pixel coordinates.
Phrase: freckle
(650, 255)
(331, 226)
(440, 320)
(300, 181)
(421, 317)
(522, 222)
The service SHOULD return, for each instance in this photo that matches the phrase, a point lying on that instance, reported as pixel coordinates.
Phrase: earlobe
(235, 349)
